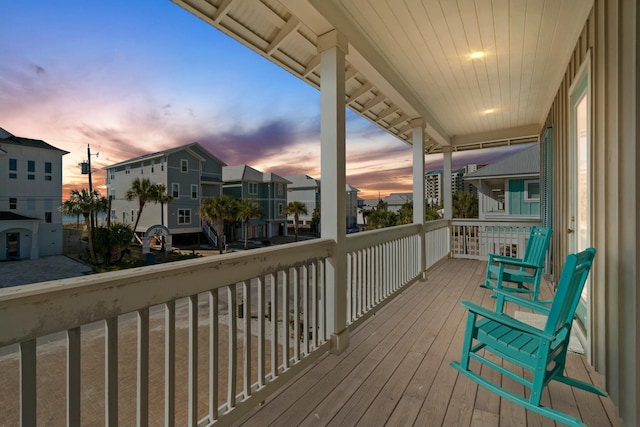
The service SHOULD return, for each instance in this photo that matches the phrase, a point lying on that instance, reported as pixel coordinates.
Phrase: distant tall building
(434, 182)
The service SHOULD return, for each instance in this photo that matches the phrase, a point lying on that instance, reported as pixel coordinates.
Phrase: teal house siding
(233, 190)
(518, 206)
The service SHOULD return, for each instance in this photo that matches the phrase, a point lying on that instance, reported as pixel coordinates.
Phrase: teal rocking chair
(525, 272)
(542, 352)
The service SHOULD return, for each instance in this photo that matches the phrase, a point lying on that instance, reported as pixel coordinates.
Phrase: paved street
(21, 272)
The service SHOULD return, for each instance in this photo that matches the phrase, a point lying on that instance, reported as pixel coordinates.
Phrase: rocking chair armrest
(503, 258)
(539, 306)
(518, 263)
(506, 320)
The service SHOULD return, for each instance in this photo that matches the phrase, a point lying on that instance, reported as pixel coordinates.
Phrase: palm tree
(315, 219)
(112, 242)
(465, 205)
(143, 190)
(85, 202)
(405, 214)
(161, 196)
(365, 214)
(218, 210)
(248, 209)
(296, 209)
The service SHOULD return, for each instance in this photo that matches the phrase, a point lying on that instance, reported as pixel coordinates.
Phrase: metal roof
(522, 163)
(9, 138)
(165, 153)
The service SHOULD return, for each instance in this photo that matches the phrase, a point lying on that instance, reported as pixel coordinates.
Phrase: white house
(395, 201)
(30, 194)
(304, 189)
(352, 207)
(190, 173)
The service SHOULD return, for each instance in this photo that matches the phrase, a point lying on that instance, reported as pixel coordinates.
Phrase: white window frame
(184, 165)
(253, 188)
(175, 190)
(183, 215)
(194, 191)
(280, 209)
(527, 196)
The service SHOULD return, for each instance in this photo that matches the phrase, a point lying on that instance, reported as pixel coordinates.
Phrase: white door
(579, 227)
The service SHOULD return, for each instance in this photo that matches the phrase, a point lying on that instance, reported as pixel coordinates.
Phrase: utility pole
(88, 171)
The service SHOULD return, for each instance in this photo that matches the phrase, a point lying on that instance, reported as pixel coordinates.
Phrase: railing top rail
(510, 223)
(82, 300)
(370, 238)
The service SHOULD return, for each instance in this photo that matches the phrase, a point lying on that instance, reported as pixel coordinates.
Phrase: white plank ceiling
(411, 58)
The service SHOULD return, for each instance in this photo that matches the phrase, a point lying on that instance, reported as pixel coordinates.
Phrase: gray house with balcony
(190, 173)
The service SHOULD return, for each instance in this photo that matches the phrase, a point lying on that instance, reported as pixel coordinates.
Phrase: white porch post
(332, 47)
(418, 186)
(447, 197)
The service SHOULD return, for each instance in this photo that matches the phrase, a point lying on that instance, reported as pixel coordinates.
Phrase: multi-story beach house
(30, 194)
(305, 189)
(190, 174)
(509, 189)
(268, 190)
(395, 201)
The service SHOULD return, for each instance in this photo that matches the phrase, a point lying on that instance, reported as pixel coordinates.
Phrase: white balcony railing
(477, 238)
(216, 335)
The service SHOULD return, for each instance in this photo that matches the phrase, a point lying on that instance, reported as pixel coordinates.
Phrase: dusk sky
(135, 77)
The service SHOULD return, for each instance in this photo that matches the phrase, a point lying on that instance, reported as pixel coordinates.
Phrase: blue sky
(137, 76)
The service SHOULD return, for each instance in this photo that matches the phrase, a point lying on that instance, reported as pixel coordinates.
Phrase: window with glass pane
(532, 190)
(184, 216)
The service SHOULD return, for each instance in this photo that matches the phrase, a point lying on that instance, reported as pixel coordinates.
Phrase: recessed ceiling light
(477, 54)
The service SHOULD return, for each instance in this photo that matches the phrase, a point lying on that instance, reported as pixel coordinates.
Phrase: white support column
(418, 187)
(332, 48)
(447, 197)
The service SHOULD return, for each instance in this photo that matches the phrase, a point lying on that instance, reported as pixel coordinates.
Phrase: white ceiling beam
(222, 10)
(288, 28)
(392, 109)
(373, 102)
(364, 88)
(311, 66)
(398, 120)
(350, 73)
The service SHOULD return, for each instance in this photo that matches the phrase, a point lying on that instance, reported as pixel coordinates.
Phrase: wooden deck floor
(396, 370)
